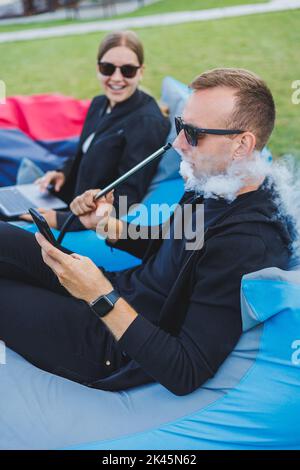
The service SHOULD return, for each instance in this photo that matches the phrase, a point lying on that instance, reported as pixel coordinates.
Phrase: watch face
(102, 306)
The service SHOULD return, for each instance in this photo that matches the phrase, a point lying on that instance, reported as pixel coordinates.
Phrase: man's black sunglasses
(193, 134)
(127, 70)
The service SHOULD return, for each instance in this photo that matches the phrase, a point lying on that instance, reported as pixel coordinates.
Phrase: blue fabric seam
(260, 281)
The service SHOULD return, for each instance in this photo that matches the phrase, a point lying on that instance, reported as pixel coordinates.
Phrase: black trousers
(42, 322)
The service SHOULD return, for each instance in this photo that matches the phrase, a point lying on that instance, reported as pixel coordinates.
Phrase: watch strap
(104, 303)
(113, 296)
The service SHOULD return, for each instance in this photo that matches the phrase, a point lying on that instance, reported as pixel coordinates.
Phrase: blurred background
(82, 8)
(266, 43)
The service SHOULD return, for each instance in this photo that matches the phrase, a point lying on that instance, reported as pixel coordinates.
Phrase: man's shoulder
(268, 241)
(240, 228)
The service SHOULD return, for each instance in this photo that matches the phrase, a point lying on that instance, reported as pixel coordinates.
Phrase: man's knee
(12, 236)
(6, 233)
(6, 227)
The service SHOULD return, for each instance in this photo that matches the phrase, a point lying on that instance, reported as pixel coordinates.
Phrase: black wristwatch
(105, 303)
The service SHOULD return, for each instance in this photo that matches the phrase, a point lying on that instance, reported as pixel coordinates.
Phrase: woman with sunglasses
(122, 127)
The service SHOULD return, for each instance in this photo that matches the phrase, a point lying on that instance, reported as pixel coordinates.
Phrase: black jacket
(133, 130)
(200, 321)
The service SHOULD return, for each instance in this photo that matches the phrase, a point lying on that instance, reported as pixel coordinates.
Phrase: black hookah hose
(114, 184)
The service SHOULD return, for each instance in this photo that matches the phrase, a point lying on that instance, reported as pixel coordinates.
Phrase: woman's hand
(78, 274)
(48, 214)
(57, 178)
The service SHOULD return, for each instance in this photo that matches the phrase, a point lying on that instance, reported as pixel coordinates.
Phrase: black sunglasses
(127, 70)
(193, 134)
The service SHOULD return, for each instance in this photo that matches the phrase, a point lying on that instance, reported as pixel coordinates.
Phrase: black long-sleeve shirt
(146, 287)
(190, 320)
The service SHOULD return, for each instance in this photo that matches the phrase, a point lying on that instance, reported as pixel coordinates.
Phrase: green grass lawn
(266, 44)
(163, 6)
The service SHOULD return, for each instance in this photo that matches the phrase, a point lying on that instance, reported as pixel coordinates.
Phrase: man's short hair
(255, 108)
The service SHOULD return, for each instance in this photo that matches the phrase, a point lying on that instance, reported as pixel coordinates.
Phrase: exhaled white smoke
(227, 184)
(284, 173)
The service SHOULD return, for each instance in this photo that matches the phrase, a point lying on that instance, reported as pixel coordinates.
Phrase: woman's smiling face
(116, 87)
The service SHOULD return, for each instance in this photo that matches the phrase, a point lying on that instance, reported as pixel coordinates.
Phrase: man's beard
(226, 184)
(282, 177)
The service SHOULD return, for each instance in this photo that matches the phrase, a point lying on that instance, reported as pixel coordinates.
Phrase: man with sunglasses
(176, 317)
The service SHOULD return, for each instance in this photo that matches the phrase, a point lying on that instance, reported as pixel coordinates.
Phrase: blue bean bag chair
(251, 403)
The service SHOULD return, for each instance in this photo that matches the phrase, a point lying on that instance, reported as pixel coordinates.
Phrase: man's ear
(245, 145)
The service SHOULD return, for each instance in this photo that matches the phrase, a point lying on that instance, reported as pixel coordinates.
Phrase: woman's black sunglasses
(193, 134)
(127, 70)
